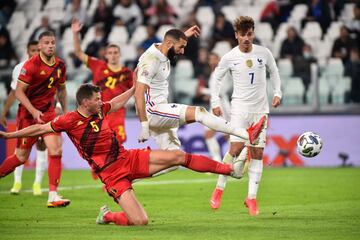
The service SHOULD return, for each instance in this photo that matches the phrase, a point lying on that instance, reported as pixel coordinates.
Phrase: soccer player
(247, 64)
(89, 130)
(161, 119)
(41, 77)
(111, 76)
(32, 49)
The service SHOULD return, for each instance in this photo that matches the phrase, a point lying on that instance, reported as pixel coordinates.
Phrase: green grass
(294, 204)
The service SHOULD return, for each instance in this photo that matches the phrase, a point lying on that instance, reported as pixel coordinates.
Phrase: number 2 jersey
(95, 141)
(43, 80)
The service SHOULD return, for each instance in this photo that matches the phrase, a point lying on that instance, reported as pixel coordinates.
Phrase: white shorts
(244, 120)
(164, 121)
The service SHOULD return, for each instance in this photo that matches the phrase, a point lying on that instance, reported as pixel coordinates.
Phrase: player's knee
(140, 221)
(179, 157)
(235, 151)
(55, 151)
(200, 113)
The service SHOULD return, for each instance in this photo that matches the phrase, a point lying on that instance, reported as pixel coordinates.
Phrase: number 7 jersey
(248, 72)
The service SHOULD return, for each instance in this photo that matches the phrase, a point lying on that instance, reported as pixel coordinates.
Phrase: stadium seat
(324, 91)
(3, 92)
(89, 36)
(312, 30)
(139, 35)
(162, 30)
(230, 13)
(54, 4)
(221, 48)
(128, 52)
(205, 16)
(293, 91)
(118, 35)
(264, 32)
(299, 12)
(184, 82)
(16, 25)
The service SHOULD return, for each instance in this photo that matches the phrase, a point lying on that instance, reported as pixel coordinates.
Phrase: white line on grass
(138, 183)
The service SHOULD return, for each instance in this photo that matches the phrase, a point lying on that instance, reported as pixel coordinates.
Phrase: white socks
(41, 161)
(214, 148)
(254, 172)
(218, 124)
(18, 173)
(222, 179)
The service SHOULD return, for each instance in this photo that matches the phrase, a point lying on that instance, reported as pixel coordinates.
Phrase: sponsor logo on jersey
(106, 71)
(249, 63)
(80, 122)
(42, 72)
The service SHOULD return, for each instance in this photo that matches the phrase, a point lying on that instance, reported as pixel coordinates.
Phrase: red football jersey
(43, 81)
(92, 136)
(111, 83)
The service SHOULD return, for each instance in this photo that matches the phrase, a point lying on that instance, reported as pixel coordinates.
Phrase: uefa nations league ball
(309, 144)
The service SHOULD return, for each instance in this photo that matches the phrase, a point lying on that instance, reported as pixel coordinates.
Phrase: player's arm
(219, 74)
(120, 101)
(24, 100)
(141, 110)
(275, 79)
(7, 105)
(31, 131)
(62, 97)
(76, 28)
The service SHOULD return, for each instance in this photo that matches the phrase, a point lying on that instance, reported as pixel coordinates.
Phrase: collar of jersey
(159, 54)
(81, 114)
(44, 61)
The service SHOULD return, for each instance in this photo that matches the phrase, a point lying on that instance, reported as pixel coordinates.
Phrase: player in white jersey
(41, 159)
(161, 119)
(247, 64)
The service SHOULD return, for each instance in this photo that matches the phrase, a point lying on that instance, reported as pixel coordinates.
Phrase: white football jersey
(248, 71)
(15, 74)
(153, 70)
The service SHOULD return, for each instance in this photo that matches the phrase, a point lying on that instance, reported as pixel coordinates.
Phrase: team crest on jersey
(145, 73)
(42, 72)
(249, 63)
(106, 71)
(23, 71)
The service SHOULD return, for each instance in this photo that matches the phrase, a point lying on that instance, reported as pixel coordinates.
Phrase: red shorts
(117, 124)
(119, 175)
(28, 142)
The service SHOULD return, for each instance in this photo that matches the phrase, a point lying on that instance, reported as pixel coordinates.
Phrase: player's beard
(172, 56)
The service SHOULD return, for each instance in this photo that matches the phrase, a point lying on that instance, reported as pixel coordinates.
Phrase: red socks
(54, 171)
(200, 163)
(9, 165)
(119, 218)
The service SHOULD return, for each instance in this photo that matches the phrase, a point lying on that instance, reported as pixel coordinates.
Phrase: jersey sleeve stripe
(19, 80)
(52, 128)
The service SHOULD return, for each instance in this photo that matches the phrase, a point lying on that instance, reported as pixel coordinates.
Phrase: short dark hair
(243, 24)
(85, 91)
(113, 46)
(32, 43)
(176, 34)
(47, 34)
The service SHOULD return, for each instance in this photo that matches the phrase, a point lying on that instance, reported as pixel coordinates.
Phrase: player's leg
(160, 159)
(201, 115)
(212, 144)
(237, 151)
(22, 155)
(255, 170)
(53, 144)
(17, 180)
(41, 159)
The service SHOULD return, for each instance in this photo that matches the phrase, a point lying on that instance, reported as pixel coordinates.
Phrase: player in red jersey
(111, 76)
(89, 130)
(41, 77)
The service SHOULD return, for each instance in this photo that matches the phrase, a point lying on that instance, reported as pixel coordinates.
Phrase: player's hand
(37, 116)
(76, 25)
(193, 31)
(276, 101)
(3, 120)
(145, 132)
(3, 134)
(217, 111)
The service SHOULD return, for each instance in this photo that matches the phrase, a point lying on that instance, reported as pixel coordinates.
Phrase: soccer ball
(309, 144)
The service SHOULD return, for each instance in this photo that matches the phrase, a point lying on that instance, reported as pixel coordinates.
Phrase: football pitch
(295, 203)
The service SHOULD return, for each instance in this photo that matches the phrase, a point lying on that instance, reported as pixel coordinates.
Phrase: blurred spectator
(321, 11)
(151, 38)
(342, 45)
(103, 13)
(8, 57)
(161, 13)
(223, 31)
(302, 67)
(144, 5)
(99, 41)
(44, 26)
(127, 13)
(6, 9)
(354, 25)
(271, 14)
(202, 72)
(292, 46)
(352, 70)
(74, 10)
(193, 44)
